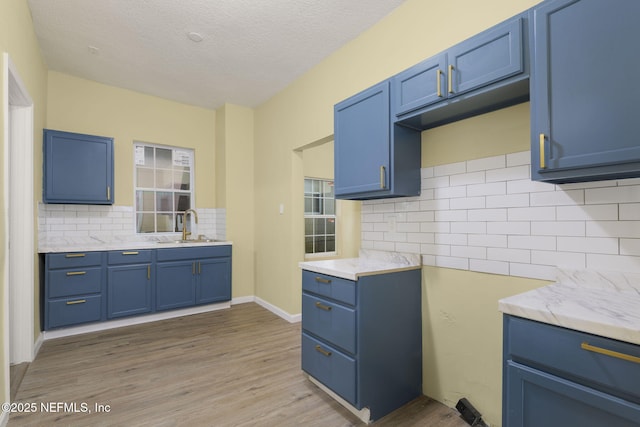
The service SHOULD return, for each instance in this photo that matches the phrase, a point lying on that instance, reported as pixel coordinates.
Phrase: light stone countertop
(91, 245)
(600, 303)
(368, 263)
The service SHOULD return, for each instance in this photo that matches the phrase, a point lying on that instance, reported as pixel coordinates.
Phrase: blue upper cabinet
(77, 168)
(373, 158)
(485, 72)
(585, 91)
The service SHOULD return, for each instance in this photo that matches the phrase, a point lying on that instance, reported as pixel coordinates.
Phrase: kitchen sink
(187, 241)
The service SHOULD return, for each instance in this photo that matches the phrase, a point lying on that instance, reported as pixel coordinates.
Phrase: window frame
(176, 228)
(333, 216)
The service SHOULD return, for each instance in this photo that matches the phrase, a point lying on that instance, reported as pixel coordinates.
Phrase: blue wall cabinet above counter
(78, 168)
(585, 91)
(373, 158)
(483, 73)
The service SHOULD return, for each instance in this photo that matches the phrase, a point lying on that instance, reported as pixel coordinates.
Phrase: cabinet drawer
(330, 321)
(71, 311)
(329, 366)
(63, 283)
(176, 254)
(129, 257)
(74, 259)
(330, 286)
(560, 351)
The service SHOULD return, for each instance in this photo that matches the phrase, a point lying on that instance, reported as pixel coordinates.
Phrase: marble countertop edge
(122, 245)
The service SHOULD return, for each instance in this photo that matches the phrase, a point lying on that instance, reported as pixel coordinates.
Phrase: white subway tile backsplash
(486, 215)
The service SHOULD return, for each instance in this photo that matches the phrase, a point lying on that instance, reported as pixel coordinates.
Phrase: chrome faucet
(186, 233)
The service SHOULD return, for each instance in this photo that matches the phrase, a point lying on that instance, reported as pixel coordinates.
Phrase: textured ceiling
(251, 49)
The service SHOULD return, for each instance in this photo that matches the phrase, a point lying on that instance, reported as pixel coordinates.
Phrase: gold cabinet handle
(382, 177)
(149, 272)
(78, 301)
(76, 273)
(543, 160)
(108, 192)
(323, 307)
(74, 255)
(439, 83)
(321, 280)
(610, 353)
(323, 351)
(193, 268)
(130, 253)
(450, 79)
(199, 268)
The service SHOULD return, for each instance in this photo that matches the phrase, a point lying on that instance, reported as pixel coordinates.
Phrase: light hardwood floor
(234, 367)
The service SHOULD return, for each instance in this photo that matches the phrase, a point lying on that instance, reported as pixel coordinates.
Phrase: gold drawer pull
(130, 253)
(383, 175)
(108, 192)
(149, 272)
(323, 351)
(610, 353)
(74, 255)
(321, 280)
(438, 78)
(76, 273)
(79, 301)
(450, 79)
(323, 307)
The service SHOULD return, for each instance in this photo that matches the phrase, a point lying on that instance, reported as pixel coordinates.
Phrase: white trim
(291, 318)
(112, 324)
(37, 345)
(364, 414)
(243, 300)
(4, 419)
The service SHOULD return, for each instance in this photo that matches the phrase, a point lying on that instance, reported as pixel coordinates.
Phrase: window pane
(164, 222)
(308, 226)
(181, 180)
(307, 186)
(330, 244)
(331, 226)
(145, 223)
(316, 207)
(329, 206)
(163, 158)
(327, 188)
(319, 226)
(308, 245)
(164, 178)
(319, 245)
(164, 202)
(148, 157)
(308, 205)
(144, 201)
(183, 201)
(144, 177)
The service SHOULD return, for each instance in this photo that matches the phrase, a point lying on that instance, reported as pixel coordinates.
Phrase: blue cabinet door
(421, 85)
(77, 168)
(214, 280)
(128, 290)
(175, 284)
(362, 142)
(585, 90)
(535, 398)
(492, 55)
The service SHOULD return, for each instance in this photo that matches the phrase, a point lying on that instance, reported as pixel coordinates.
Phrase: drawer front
(62, 283)
(129, 257)
(329, 366)
(176, 254)
(575, 355)
(72, 311)
(74, 259)
(330, 286)
(330, 321)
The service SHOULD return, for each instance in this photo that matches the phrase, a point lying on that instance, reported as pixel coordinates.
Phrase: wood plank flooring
(234, 367)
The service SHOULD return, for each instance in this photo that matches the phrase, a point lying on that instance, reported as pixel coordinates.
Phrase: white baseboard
(291, 318)
(111, 324)
(243, 300)
(37, 345)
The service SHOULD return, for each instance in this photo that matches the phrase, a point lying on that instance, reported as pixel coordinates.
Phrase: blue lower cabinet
(557, 377)
(363, 339)
(128, 290)
(175, 284)
(214, 280)
(74, 311)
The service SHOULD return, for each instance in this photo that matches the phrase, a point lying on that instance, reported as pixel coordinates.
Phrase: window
(319, 216)
(163, 185)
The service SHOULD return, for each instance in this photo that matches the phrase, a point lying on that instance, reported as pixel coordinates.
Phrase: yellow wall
(18, 39)
(455, 303)
(78, 105)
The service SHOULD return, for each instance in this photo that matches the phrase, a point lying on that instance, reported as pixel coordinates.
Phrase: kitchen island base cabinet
(363, 339)
(560, 377)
